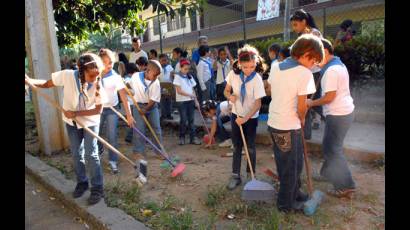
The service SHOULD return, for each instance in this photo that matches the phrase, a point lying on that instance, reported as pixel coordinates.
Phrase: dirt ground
(206, 170)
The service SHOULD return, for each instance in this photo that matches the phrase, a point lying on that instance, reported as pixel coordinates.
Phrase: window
(176, 23)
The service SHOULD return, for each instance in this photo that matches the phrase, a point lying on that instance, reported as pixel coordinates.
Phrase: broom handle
(203, 120)
(307, 164)
(145, 120)
(247, 153)
(55, 104)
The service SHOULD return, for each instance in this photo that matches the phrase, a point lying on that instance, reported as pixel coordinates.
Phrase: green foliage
(215, 195)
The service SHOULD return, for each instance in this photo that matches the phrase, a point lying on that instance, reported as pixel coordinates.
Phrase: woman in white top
(83, 99)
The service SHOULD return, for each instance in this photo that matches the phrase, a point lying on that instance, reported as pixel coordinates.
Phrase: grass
(60, 167)
(215, 195)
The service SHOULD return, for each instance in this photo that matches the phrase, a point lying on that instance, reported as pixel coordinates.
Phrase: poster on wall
(267, 9)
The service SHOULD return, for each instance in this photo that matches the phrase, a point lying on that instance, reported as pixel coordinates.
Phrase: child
(290, 83)
(204, 72)
(83, 100)
(223, 66)
(113, 85)
(142, 63)
(220, 113)
(247, 87)
(152, 55)
(274, 53)
(177, 55)
(185, 95)
(338, 108)
(131, 68)
(147, 93)
(165, 77)
(284, 53)
(303, 23)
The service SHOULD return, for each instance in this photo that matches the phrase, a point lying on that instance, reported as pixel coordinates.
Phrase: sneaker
(80, 188)
(181, 141)
(195, 141)
(114, 167)
(301, 196)
(234, 182)
(226, 143)
(96, 194)
(315, 125)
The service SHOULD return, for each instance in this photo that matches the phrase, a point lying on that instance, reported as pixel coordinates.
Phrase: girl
(247, 87)
(131, 69)
(185, 95)
(223, 66)
(83, 99)
(113, 84)
(220, 113)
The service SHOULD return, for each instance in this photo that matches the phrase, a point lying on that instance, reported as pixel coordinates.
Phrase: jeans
(335, 167)
(206, 93)
(186, 113)
(153, 119)
(220, 91)
(221, 132)
(130, 131)
(166, 106)
(249, 131)
(288, 151)
(111, 130)
(84, 150)
(212, 88)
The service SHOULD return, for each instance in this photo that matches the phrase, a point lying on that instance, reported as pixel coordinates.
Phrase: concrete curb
(99, 216)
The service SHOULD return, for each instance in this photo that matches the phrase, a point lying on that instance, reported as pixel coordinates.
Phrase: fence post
(243, 21)
(324, 22)
(160, 32)
(286, 27)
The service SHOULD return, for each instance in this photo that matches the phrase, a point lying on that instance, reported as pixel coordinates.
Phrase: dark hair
(181, 52)
(154, 52)
(163, 56)
(327, 45)
(142, 61)
(208, 105)
(221, 49)
(346, 24)
(131, 68)
(122, 58)
(308, 43)
(135, 39)
(88, 61)
(300, 14)
(202, 50)
(285, 51)
(248, 53)
(275, 48)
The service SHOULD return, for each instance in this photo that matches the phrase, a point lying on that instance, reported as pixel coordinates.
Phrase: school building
(223, 22)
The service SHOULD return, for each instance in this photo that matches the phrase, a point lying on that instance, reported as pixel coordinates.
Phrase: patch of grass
(321, 219)
(215, 195)
(209, 222)
(177, 221)
(272, 220)
(371, 198)
(60, 167)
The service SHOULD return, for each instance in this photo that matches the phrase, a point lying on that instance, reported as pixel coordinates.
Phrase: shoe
(226, 143)
(80, 189)
(315, 125)
(96, 194)
(181, 141)
(302, 197)
(114, 167)
(234, 182)
(195, 141)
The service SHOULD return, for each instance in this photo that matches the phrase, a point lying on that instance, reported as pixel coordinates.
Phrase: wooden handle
(247, 153)
(307, 164)
(55, 104)
(202, 117)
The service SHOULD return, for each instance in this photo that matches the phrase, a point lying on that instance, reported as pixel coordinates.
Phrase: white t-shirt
(134, 56)
(112, 82)
(165, 75)
(286, 86)
(67, 80)
(226, 66)
(127, 79)
(186, 85)
(254, 91)
(142, 96)
(225, 108)
(203, 72)
(336, 78)
(177, 67)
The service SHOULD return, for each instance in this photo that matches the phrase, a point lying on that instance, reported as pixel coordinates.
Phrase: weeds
(215, 195)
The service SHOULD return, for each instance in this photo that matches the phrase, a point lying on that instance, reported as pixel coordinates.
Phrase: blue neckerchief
(81, 98)
(244, 81)
(223, 67)
(209, 66)
(109, 74)
(288, 63)
(335, 61)
(142, 78)
(165, 69)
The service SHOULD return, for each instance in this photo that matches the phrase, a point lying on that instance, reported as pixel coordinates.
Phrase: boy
(220, 114)
(290, 82)
(137, 51)
(284, 53)
(147, 93)
(130, 68)
(223, 66)
(204, 72)
(273, 52)
(166, 82)
(142, 63)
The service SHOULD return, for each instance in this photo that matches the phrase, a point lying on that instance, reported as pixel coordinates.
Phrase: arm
(267, 87)
(302, 108)
(227, 93)
(212, 133)
(329, 97)
(39, 82)
(180, 91)
(255, 108)
(147, 108)
(97, 110)
(124, 100)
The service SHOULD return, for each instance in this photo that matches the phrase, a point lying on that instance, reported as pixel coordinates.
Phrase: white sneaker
(226, 143)
(114, 167)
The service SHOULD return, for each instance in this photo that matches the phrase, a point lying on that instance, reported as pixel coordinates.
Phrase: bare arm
(97, 110)
(302, 108)
(41, 83)
(212, 132)
(255, 108)
(329, 97)
(151, 104)
(267, 87)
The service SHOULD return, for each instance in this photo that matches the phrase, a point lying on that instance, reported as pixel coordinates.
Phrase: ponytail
(301, 15)
(248, 53)
(85, 62)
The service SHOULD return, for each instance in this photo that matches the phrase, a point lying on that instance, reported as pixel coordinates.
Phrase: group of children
(92, 92)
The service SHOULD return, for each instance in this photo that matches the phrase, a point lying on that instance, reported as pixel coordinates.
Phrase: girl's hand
(309, 103)
(232, 98)
(27, 79)
(69, 114)
(130, 121)
(240, 120)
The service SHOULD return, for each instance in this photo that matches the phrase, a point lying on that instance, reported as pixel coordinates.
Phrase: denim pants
(335, 167)
(166, 106)
(249, 131)
(153, 119)
(206, 93)
(130, 131)
(84, 150)
(212, 88)
(288, 151)
(221, 132)
(220, 91)
(186, 123)
(110, 119)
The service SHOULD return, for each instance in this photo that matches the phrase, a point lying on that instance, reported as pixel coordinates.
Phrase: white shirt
(165, 75)
(254, 91)
(134, 56)
(226, 66)
(203, 72)
(112, 83)
(142, 96)
(186, 85)
(177, 67)
(336, 78)
(226, 110)
(286, 86)
(127, 79)
(71, 95)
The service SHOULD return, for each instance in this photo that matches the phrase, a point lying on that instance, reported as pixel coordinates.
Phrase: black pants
(249, 131)
(220, 91)
(186, 123)
(288, 150)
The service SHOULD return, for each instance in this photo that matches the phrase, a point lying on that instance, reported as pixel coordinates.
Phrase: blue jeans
(335, 167)
(166, 107)
(212, 88)
(249, 131)
(153, 119)
(110, 119)
(288, 151)
(221, 132)
(84, 150)
(186, 122)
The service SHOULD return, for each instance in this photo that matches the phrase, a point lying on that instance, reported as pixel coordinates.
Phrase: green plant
(178, 221)
(215, 195)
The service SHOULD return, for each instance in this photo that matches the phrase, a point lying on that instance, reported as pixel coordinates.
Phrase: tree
(76, 19)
